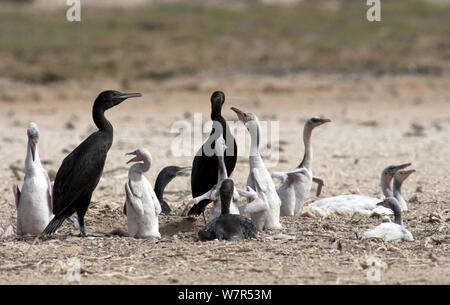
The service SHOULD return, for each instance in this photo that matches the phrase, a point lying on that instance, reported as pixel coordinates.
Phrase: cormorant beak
(123, 96)
(405, 173)
(183, 170)
(33, 143)
(402, 166)
(135, 159)
(384, 203)
(240, 114)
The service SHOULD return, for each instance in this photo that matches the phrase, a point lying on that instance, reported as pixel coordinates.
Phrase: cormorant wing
(49, 193)
(76, 176)
(134, 201)
(259, 204)
(16, 192)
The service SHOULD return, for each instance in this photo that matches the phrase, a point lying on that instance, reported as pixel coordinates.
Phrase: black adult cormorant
(164, 177)
(81, 170)
(205, 165)
(228, 226)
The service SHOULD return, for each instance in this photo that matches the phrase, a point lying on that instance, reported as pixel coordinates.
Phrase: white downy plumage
(296, 185)
(390, 231)
(34, 203)
(264, 207)
(367, 205)
(143, 207)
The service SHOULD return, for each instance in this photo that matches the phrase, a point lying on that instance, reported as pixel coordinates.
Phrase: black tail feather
(53, 225)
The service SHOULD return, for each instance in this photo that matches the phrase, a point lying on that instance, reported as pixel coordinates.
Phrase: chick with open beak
(142, 205)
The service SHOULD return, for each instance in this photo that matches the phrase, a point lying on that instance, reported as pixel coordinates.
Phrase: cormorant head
(401, 175)
(141, 154)
(249, 119)
(217, 100)
(172, 171)
(111, 98)
(390, 171)
(317, 121)
(226, 194)
(33, 137)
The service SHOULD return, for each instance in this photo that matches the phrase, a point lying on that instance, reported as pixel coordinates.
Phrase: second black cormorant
(205, 166)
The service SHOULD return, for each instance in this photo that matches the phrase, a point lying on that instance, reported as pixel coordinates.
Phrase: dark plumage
(81, 170)
(205, 165)
(228, 226)
(162, 180)
(164, 177)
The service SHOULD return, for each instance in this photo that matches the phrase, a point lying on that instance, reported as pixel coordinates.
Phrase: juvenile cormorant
(390, 231)
(296, 185)
(143, 206)
(228, 226)
(34, 203)
(162, 180)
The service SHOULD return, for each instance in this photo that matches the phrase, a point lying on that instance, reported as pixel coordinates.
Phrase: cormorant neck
(98, 114)
(254, 140)
(216, 112)
(160, 184)
(398, 194)
(141, 167)
(225, 209)
(397, 214)
(30, 165)
(308, 154)
(222, 173)
(386, 185)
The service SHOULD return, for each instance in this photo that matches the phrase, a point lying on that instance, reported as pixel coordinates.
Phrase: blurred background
(157, 40)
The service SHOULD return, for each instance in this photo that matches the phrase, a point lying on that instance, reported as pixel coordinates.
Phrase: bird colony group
(42, 205)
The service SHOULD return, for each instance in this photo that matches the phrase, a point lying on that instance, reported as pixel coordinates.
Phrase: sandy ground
(376, 121)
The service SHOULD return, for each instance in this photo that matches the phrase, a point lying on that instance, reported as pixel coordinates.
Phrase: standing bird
(296, 185)
(265, 207)
(390, 231)
(205, 165)
(367, 205)
(142, 204)
(228, 226)
(82, 169)
(166, 175)
(34, 203)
